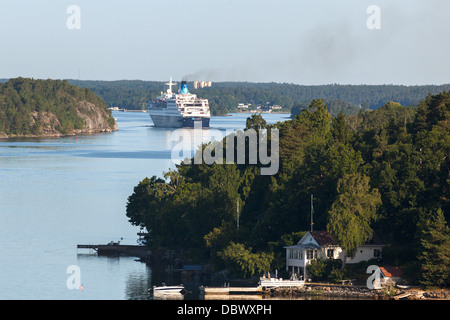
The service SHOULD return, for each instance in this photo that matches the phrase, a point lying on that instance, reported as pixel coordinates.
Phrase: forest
(25, 101)
(385, 171)
(225, 96)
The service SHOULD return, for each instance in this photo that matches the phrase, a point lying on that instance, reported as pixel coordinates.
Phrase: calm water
(57, 193)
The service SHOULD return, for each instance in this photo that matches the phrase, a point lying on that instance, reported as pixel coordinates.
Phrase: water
(57, 193)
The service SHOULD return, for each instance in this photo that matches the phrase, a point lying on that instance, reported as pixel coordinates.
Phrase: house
(391, 275)
(321, 245)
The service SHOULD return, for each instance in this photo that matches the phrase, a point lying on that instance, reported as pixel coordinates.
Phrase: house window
(330, 253)
(377, 253)
(310, 254)
(295, 254)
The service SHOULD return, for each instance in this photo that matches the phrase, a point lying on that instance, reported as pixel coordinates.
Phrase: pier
(225, 293)
(266, 283)
(115, 248)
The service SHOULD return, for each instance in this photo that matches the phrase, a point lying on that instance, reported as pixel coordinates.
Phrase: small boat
(403, 286)
(167, 289)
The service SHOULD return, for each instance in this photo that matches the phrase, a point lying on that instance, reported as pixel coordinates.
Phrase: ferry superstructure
(181, 109)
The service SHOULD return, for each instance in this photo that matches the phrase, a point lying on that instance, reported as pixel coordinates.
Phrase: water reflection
(137, 285)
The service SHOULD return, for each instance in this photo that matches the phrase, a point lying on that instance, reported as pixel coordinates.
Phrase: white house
(321, 245)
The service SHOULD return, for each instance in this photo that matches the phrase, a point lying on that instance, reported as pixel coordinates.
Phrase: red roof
(391, 271)
(323, 238)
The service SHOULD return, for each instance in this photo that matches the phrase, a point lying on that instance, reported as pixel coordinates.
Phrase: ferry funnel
(184, 88)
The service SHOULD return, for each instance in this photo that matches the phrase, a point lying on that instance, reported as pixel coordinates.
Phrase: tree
(256, 122)
(325, 270)
(340, 130)
(353, 212)
(142, 205)
(243, 262)
(435, 250)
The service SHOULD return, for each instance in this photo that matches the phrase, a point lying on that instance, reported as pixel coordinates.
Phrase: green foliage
(435, 250)
(384, 170)
(353, 212)
(325, 270)
(242, 262)
(256, 122)
(24, 103)
(225, 96)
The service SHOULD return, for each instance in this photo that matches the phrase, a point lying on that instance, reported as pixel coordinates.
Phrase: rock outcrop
(51, 108)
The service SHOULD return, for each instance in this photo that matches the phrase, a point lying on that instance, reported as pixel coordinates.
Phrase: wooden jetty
(224, 291)
(115, 248)
(230, 293)
(277, 283)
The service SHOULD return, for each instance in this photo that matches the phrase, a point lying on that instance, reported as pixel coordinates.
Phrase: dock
(266, 283)
(115, 248)
(226, 292)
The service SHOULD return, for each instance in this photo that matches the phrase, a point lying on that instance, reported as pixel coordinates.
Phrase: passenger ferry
(181, 109)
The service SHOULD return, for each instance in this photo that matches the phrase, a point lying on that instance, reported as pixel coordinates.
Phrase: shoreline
(57, 135)
(331, 291)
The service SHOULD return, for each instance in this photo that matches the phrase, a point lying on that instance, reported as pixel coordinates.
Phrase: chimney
(184, 88)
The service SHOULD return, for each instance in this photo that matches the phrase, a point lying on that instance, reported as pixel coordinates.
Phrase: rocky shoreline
(57, 135)
(329, 291)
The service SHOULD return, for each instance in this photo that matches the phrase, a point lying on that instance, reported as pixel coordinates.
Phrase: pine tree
(435, 250)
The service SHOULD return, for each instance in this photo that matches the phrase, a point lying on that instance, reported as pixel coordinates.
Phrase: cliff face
(36, 108)
(95, 120)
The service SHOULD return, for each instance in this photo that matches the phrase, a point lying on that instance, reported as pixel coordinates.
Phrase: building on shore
(321, 245)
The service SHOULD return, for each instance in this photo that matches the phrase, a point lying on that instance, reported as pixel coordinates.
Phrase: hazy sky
(294, 41)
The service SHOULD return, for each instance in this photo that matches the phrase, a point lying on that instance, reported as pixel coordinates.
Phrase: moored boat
(168, 289)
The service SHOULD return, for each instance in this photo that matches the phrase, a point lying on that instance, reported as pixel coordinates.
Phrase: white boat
(176, 110)
(167, 289)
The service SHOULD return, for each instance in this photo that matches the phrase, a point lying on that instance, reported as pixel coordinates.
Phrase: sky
(286, 41)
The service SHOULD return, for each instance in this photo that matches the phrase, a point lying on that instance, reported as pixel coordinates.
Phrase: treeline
(225, 96)
(125, 94)
(385, 171)
(23, 100)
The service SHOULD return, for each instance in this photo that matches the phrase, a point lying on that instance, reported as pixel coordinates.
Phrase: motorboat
(164, 289)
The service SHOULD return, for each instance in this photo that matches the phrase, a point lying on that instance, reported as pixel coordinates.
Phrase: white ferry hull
(166, 121)
(184, 109)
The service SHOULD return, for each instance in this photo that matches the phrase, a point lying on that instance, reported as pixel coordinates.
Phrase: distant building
(242, 106)
(202, 84)
(321, 245)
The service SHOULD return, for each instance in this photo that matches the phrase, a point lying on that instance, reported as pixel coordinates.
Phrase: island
(341, 181)
(51, 108)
